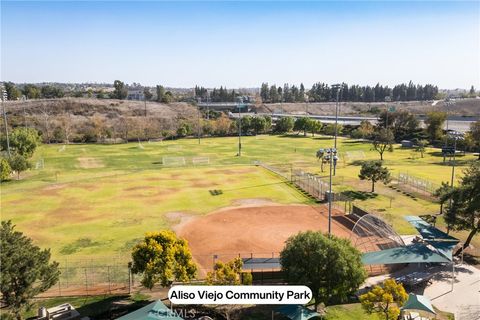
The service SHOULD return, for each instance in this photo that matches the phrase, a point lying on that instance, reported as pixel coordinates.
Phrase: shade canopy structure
(428, 231)
(297, 312)
(414, 253)
(418, 302)
(154, 311)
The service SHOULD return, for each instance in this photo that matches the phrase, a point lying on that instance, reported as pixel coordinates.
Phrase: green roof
(444, 247)
(418, 302)
(428, 231)
(414, 253)
(154, 311)
(297, 312)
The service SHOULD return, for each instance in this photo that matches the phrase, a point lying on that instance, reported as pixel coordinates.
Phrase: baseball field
(97, 201)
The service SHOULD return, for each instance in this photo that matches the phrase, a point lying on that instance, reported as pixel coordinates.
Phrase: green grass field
(98, 200)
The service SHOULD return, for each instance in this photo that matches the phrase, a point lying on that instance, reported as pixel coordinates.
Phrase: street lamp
(331, 157)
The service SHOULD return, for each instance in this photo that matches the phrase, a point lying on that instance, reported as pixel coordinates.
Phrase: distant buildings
(135, 94)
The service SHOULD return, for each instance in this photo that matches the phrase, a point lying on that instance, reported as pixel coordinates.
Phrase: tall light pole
(4, 98)
(239, 106)
(456, 136)
(331, 157)
(338, 87)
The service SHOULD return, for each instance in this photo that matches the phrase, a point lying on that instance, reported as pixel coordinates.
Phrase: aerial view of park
(239, 160)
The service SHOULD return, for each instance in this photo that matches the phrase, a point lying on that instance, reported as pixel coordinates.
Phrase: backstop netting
(370, 233)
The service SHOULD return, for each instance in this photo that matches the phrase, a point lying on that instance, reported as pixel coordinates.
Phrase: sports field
(96, 201)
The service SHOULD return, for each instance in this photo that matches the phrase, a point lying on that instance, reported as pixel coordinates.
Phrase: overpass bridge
(225, 106)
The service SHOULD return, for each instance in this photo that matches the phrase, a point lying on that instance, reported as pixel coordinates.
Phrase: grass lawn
(98, 200)
(349, 312)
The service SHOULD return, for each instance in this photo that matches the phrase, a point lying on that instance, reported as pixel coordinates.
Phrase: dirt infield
(258, 231)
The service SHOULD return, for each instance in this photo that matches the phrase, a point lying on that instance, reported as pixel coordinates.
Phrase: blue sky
(241, 44)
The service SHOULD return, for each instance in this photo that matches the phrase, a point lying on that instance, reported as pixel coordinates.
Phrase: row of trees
(322, 92)
(216, 95)
(31, 91)
(274, 94)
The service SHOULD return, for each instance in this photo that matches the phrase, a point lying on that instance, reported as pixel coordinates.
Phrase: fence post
(129, 280)
(108, 274)
(86, 280)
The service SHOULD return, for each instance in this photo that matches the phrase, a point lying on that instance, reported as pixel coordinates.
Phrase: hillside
(108, 107)
(461, 107)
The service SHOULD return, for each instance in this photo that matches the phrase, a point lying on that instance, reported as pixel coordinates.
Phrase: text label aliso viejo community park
(240, 294)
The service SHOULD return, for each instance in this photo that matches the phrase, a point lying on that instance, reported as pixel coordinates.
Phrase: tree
(472, 91)
(434, 122)
(51, 92)
(420, 146)
(314, 126)
(229, 273)
(26, 269)
(329, 129)
(382, 141)
(365, 130)
(259, 124)
(31, 91)
(120, 90)
(475, 135)
(23, 141)
(12, 92)
(148, 95)
(463, 211)
(19, 163)
(284, 124)
(160, 93)
(162, 258)
(321, 156)
(302, 124)
(385, 300)
(373, 171)
(402, 123)
(5, 169)
(330, 266)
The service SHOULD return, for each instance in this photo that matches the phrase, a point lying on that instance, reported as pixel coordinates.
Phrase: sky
(242, 44)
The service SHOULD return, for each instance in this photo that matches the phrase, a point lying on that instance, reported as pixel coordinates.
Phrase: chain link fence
(417, 184)
(91, 277)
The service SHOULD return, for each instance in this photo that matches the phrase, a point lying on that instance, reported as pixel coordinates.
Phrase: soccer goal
(40, 164)
(173, 161)
(62, 148)
(200, 161)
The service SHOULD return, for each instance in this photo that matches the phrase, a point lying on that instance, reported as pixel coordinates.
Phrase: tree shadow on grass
(360, 195)
(111, 307)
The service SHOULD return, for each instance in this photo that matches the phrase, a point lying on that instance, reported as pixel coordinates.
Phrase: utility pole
(4, 98)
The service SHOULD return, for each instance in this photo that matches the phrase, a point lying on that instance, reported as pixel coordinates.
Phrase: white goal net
(173, 161)
(200, 160)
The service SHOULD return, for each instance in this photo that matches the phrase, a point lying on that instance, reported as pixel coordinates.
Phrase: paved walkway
(463, 301)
